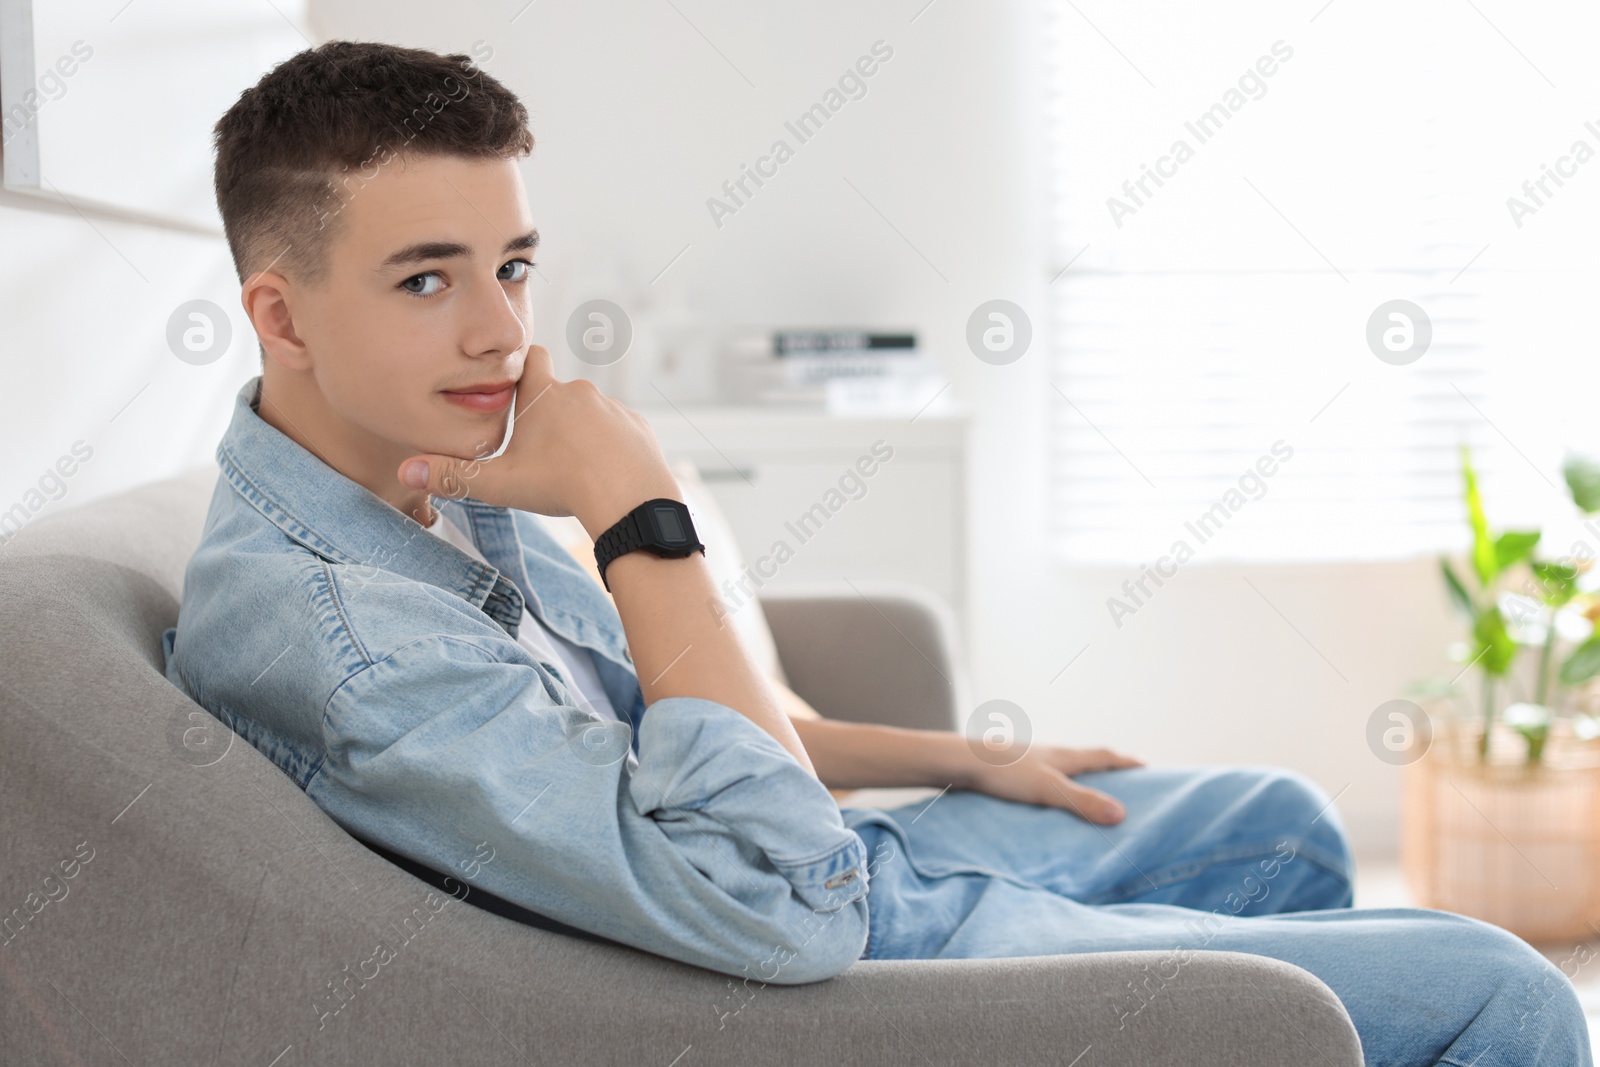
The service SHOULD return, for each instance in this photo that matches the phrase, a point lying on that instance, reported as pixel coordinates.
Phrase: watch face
(669, 525)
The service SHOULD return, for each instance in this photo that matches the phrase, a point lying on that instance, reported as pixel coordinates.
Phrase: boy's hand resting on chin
(573, 451)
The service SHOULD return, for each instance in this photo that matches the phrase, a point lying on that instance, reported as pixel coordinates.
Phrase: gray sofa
(168, 896)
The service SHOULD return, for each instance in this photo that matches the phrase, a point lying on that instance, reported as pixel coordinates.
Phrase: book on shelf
(790, 343)
(810, 366)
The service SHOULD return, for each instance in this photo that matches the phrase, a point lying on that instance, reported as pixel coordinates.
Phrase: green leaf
(1583, 479)
(1583, 664)
(1535, 736)
(1458, 592)
(1483, 557)
(1512, 547)
(1558, 582)
(1496, 649)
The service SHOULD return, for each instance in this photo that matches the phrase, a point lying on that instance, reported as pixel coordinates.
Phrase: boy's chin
(470, 448)
(465, 454)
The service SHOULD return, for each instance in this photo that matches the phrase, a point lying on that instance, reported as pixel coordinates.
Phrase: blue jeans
(1241, 859)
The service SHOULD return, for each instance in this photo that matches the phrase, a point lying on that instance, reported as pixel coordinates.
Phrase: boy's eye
(519, 270)
(422, 284)
(430, 283)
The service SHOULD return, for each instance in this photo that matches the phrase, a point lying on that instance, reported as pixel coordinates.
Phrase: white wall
(638, 120)
(83, 340)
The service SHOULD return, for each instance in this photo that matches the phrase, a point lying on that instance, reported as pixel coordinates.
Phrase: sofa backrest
(139, 541)
(126, 841)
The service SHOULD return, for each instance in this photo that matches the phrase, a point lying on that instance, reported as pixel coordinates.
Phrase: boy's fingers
(1089, 804)
(1078, 761)
(444, 476)
(1103, 759)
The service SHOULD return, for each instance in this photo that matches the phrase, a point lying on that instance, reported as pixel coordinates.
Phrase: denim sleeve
(712, 846)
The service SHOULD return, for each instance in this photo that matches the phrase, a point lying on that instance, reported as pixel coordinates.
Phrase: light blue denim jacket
(378, 667)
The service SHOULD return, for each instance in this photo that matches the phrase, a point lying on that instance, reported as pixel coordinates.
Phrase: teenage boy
(375, 607)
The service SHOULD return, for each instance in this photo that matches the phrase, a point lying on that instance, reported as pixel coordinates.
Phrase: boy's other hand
(573, 451)
(1041, 777)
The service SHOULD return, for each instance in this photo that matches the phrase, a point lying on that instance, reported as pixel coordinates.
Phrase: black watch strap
(661, 526)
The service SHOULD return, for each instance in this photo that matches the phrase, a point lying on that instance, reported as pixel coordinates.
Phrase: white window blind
(1228, 311)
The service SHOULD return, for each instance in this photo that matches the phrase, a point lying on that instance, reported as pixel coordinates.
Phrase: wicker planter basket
(1505, 842)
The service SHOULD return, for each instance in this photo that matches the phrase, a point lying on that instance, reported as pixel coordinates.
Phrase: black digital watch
(661, 526)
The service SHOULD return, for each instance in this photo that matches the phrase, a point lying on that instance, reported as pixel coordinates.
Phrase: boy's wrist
(600, 515)
(930, 758)
(952, 761)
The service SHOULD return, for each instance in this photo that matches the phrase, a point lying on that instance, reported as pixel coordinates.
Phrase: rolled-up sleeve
(712, 846)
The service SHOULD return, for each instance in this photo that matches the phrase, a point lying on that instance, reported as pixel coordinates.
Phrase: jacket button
(844, 879)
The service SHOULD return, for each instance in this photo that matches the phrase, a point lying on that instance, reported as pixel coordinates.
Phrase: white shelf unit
(767, 467)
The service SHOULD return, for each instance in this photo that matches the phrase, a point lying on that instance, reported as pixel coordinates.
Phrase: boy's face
(426, 295)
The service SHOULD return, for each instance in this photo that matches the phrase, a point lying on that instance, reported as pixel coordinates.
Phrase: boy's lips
(490, 397)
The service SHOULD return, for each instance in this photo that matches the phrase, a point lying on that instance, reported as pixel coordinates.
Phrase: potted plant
(1501, 812)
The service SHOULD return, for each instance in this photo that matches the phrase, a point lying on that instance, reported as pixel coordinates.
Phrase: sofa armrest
(1219, 1009)
(870, 652)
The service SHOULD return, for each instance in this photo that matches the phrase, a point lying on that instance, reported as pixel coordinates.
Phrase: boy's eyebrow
(426, 250)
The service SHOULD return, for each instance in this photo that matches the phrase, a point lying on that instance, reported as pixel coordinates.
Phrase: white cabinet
(815, 497)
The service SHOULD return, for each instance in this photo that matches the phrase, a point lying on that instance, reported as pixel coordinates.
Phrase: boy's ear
(267, 301)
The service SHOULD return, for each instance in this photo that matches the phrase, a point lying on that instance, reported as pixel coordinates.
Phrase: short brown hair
(294, 148)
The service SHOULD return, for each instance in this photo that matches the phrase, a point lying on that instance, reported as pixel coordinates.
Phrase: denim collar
(346, 522)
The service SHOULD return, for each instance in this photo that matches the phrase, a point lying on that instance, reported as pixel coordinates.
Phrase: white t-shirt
(574, 663)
